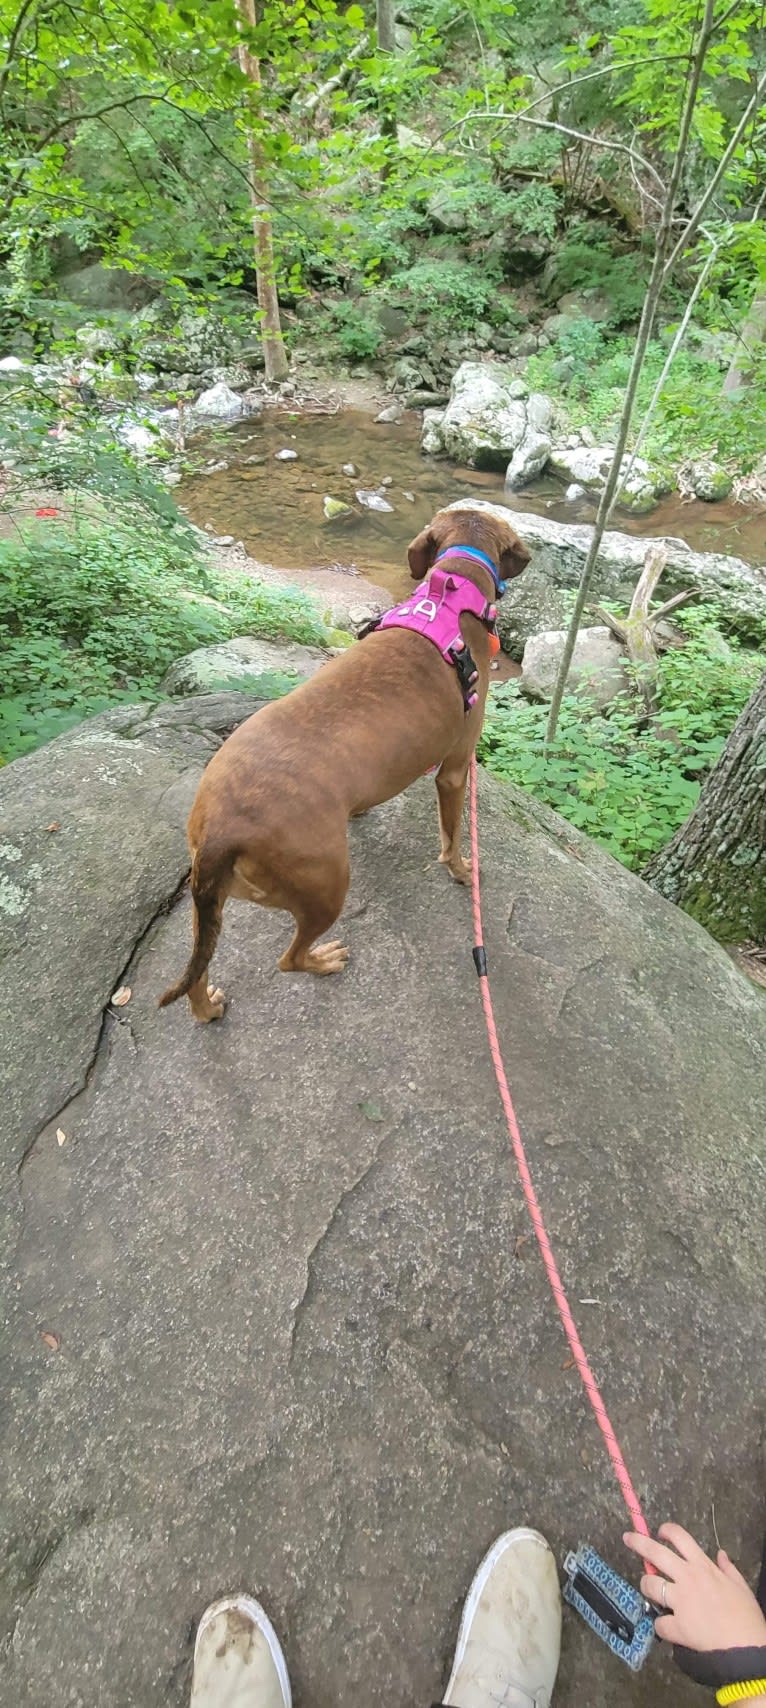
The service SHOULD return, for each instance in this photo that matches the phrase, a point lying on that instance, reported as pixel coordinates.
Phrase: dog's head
(482, 529)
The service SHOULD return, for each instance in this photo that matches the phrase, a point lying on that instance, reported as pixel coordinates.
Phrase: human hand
(709, 1604)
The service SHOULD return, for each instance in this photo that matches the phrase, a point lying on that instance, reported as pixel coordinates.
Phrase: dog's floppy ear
(421, 553)
(513, 558)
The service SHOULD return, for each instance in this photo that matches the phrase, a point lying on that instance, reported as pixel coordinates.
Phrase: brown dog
(270, 821)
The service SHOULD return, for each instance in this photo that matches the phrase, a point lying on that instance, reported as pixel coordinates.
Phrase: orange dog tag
(494, 645)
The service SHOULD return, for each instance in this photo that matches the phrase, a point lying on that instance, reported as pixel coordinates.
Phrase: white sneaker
(507, 1653)
(238, 1662)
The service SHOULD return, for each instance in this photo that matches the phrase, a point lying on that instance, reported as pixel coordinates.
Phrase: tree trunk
(384, 20)
(715, 865)
(386, 39)
(274, 353)
(752, 335)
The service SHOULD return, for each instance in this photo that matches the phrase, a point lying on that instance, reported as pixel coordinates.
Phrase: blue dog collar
(501, 587)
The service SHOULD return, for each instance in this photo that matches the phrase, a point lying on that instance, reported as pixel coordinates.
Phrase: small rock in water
(334, 507)
(349, 469)
(215, 468)
(372, 500)
(392, 412)
(286, 456)
(222, 540)
(573, 492)
(388, 480)
(257, 457)
(410, 497)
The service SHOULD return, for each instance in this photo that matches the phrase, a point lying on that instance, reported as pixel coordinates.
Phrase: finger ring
(664, 1592)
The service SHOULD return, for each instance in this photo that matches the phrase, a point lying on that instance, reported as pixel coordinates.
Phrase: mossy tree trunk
(715, 865)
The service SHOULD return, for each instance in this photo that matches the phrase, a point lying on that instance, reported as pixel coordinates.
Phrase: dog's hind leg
(209, 891)
(314, 911)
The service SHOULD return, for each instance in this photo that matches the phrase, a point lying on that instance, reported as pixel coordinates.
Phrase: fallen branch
(638, 631)
(337, 80)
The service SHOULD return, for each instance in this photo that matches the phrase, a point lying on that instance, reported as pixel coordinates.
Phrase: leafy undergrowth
(628, 786)
(693, 417)
(92, 614)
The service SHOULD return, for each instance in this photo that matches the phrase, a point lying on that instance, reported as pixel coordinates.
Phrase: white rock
(539, 411)
(597, 665)
(13, 365)
(138, 437)
(574, 492)
(589, 465)
(431, 436)
(407, 138)
(219, 403)
(286, 456)
(349, 469)
(372, 500)
(392, 412)
(528, 460)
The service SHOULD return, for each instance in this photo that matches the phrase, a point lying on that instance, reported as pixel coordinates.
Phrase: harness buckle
(461, 657)
(369, 628)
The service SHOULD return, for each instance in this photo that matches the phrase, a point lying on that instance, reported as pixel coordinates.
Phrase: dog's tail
(208, 874)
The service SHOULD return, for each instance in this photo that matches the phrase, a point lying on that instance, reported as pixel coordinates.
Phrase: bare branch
(564, 130)
(674, 604)
(603, 71)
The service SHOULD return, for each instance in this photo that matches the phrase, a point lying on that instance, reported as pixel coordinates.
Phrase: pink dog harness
(434, 611)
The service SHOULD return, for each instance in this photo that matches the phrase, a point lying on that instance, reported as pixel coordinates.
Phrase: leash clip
(613, 1608)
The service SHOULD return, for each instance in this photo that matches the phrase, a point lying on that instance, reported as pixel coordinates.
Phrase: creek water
(275, 506)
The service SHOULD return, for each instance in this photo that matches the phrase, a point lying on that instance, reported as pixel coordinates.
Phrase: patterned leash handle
(551, 1267)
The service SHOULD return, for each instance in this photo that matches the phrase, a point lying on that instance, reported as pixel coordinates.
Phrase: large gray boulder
(490, 419)
(300, 1340)
(104, 289)
(559, 551)
(533, 603)
(597, 668)
(239, 663)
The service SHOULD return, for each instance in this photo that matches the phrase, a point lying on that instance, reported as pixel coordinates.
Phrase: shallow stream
(275, 506)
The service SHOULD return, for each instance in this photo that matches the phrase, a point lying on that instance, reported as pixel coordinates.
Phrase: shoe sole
(247, 1605)
(476, 1591)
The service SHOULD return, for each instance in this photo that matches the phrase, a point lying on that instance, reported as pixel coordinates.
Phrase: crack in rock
(309, 1291)
(107, 1013)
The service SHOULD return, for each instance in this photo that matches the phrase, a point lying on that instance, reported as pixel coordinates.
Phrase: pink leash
(570, 1328)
